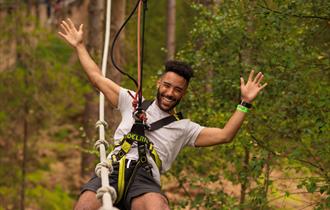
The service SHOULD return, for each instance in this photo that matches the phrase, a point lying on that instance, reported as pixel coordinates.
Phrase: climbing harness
(144, 145)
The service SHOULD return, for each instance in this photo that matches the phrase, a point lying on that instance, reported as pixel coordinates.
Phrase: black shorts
(142, 183)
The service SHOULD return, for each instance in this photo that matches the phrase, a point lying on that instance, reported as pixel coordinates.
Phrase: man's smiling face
(171, 88)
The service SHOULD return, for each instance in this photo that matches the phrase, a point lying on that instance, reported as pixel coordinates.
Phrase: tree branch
(295, 15)
(286, 156)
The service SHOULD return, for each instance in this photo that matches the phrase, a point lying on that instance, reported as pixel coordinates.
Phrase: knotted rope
(105, 193)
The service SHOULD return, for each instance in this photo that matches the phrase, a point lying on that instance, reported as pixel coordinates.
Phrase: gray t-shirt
(168, 140)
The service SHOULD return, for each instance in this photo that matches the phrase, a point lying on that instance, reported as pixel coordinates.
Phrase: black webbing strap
(138, 129)
(146, 103)
(165, 121)
(162, 122)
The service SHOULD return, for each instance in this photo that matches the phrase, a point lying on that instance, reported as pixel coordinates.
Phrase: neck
(171, 111)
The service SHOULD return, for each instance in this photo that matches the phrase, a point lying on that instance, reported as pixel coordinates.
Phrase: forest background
(280, 158)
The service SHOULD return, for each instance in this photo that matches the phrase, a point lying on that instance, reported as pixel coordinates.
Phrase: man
(144, 190)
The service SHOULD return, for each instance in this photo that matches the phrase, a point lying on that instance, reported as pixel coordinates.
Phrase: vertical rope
(145, 7)
(139, 88)
(103, 171)
(140, 48)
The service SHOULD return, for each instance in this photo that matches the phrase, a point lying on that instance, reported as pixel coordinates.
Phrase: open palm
(70, 33)
(253, 86)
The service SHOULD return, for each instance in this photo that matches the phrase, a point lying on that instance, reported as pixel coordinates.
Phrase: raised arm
(75, 38)
(214, 136)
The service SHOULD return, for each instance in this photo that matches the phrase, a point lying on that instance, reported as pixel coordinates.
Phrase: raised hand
(253, 86)
(73, 36)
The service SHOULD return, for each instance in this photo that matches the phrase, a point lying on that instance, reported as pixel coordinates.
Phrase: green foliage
(56, 199)
(287, 41)
(287, 130)
(46, 90)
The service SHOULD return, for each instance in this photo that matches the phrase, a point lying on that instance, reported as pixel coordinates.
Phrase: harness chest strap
(126, 144)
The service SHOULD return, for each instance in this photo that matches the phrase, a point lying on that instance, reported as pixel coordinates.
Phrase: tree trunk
(96, 29)
(210, 71)
(267, 174)
(30, 7)
(89, 120)
(94, 46)
(245, 182)
(117, 19)
(170, 38)
(246, 58)
(18, 40)
(25, 146)
(42, 9)
(7, 44)
(37, 14)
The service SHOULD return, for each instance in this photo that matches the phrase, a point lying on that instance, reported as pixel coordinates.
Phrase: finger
(71, 25)
(81, 27)
(257, 77)
(263, 86)
(66, 26)
(251, 75)
(61, 34)
(242, 81)
(260, 79)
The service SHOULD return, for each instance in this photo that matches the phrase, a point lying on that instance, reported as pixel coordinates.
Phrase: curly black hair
(180, 68)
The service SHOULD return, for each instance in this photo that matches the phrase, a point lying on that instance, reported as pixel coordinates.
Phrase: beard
(159, 101)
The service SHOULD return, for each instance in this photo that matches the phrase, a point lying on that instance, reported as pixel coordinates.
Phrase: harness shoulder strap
(162, 122)
(165, 121)
(146, 103)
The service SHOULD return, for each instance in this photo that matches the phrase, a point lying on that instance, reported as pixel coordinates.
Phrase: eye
(166, 85)
(178, 90)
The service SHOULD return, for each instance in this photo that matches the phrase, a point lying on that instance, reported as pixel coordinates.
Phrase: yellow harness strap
(121, 179)
(121, 157)
(155, 156)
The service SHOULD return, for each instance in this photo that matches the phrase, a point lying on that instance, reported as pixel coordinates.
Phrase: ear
(158, 83)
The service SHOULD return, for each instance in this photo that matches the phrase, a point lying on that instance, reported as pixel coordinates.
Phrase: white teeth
(166, 99)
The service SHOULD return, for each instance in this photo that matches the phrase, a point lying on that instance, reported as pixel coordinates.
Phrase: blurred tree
(170, 29)
(118, 17)
(95, 31)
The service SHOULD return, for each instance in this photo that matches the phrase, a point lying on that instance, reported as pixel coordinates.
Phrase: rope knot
(104, 164)
(101, 122)
(106, 189)
(99, 142)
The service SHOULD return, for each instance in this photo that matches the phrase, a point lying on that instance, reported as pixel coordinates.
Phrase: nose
(170, 91)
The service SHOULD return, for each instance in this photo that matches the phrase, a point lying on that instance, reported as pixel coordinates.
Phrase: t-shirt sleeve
(192, 131)
(125, 99)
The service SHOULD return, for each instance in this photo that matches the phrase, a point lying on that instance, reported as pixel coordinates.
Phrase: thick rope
(106, 193)
(139, 48)
(140, 51)
(145, 8)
